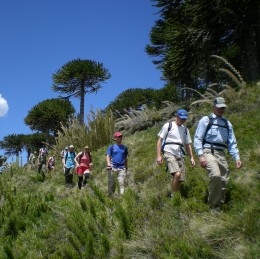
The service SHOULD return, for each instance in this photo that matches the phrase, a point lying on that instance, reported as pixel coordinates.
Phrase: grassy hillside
(40, 218)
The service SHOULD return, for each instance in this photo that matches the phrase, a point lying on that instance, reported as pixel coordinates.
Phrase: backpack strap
(169, 128)
(164, 140)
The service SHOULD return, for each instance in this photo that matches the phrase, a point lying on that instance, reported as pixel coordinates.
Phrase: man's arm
(108, 159)
(189, 151)
(158, 151)
(76, 159)
(232, 146)
(198, 139)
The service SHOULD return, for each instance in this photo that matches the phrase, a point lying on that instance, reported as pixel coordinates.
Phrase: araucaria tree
(188, 33)
(48, 115)
(79, 77)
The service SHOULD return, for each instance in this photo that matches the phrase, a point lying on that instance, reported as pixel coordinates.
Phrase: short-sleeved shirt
(69, 159)
(63, 153)
(177, 134)
(43, 151)
(51, 161)
(118, 153)
(85, 160)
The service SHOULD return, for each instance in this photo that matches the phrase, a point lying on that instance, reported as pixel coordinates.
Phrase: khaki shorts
(175, 164)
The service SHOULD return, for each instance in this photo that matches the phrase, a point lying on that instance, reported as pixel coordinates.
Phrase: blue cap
(182, 114)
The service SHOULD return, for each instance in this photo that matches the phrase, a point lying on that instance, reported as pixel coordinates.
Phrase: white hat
(71, 146)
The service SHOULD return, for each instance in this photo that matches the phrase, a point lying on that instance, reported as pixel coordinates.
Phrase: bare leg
(176, 182)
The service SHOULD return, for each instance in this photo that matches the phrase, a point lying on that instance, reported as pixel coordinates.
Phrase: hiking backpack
(210, 124)
(66, 156)
(176, 143)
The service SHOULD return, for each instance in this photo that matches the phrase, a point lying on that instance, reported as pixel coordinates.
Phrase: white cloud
(3, 106)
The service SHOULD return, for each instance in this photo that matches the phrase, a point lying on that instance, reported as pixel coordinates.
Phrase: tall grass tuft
(96, 133)
(231, 72)
(123, 216)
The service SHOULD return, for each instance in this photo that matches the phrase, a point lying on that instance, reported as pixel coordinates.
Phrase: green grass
(40, 218)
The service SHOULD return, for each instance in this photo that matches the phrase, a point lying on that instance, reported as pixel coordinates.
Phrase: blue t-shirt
(118, 154)
(69, 159)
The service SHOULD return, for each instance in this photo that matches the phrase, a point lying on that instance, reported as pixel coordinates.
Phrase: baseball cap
(66, 147)
(86, 147)
(117, 134)
(219, 102)
(71, 146)
(182, 114)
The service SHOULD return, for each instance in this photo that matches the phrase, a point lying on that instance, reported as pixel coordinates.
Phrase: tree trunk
(250, 63)
(257, 36)
(251, 44)
(82, 103)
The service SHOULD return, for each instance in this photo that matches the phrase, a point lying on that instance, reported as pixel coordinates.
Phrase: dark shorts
(69, 171)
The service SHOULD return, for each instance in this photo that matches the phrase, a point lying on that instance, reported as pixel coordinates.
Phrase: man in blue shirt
(209, 144)
(116, 158)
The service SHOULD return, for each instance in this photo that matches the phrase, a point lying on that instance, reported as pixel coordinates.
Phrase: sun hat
(219, 102)
(71, 146)
(117, 134)
(182, 114)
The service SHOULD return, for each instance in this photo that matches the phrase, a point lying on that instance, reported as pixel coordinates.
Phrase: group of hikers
(214, 134)
(40, 159)
(116, 158)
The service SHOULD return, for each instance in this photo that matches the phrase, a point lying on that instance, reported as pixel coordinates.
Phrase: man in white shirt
(176, 137)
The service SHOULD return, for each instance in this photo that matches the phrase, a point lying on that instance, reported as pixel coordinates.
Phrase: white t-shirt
(178, 134)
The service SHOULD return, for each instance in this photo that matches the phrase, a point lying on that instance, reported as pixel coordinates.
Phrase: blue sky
(39, 36)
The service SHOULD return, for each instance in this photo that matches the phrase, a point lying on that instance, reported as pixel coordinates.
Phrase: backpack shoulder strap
(211, 119)
(169, 128)
(227, 127)
(185, 130)
(226, 123)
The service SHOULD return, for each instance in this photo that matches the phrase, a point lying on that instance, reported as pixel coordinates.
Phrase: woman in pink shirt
(84, 164)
